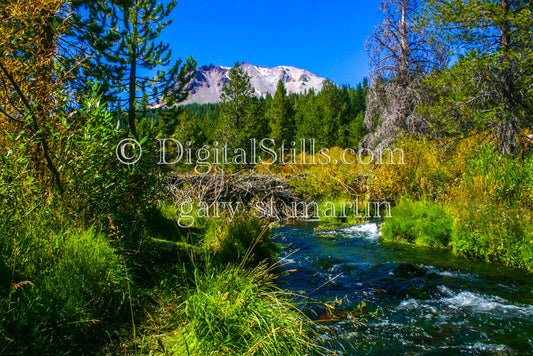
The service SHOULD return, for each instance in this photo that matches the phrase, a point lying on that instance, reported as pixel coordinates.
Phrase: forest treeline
(332, 117)
(91, 260)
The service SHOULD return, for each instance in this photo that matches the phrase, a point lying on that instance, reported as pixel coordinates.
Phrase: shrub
(418, 176)
(334, 180)
(343, 211)
(422, 223)
(99, 188)
(498, 179)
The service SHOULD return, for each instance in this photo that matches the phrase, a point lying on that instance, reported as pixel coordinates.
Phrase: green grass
(341, 211)
(495, 233)
(488, 214)
(235, 311)
(67, 289)
(223, 301)
(493, 209)
(244, 239)
(59, 289)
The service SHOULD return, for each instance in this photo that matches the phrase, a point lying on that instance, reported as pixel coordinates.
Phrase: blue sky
(324, 37)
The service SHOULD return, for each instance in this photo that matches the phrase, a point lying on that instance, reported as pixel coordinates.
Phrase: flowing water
(428, 302)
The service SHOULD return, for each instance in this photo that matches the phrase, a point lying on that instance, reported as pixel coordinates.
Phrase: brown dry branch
(248, 189)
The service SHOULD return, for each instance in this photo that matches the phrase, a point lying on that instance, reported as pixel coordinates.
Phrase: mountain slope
(209, 80)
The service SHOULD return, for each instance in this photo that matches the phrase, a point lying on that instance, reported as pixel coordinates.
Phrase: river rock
(407, 271)
(409, 281)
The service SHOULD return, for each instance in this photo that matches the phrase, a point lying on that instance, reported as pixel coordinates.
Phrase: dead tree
(400, 55)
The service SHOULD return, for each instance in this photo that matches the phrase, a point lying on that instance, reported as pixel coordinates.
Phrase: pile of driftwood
(269, 194)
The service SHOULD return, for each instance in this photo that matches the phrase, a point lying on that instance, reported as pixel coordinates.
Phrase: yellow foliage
(30, 82)
(415, 177)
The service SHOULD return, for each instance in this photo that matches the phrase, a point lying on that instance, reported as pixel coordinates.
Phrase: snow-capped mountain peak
(209, 80)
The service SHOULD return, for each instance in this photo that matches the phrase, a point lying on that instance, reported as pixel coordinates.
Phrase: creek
(419, 301)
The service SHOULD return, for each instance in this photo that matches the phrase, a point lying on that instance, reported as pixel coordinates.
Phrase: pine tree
(257, 127)
(335, 114)
(357, 130)
(280, 116)
(237, 108)
(121, 38)
(310, 118)
(489, 89)
(190, 130)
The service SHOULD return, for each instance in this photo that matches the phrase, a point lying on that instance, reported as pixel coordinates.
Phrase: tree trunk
(508, 127)
(404, 71)
(133, 73)
(131, 98)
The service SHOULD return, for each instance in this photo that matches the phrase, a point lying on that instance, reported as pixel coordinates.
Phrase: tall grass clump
(236, 311)
(420, 222)
(59, 288)
(243, 238)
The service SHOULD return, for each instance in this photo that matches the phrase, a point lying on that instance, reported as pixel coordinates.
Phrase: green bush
(332, 211)
(419, 222)
(100, 189)
(490, 176)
